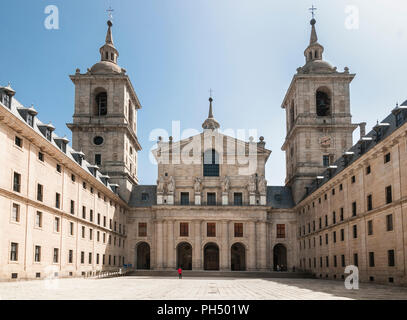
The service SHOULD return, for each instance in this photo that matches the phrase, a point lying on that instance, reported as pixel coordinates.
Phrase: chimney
(362, 127)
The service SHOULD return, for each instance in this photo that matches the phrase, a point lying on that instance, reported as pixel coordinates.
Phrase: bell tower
(318, 119)
(105, 120)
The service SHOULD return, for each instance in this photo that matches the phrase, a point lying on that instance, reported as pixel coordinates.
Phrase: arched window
(101, 103)
(211, 163)
(323, 103)
(316, 54)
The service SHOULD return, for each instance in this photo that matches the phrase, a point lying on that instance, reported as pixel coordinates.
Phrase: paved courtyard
(194, 288)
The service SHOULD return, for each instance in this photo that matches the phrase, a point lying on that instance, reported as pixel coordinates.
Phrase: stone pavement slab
(166, 288)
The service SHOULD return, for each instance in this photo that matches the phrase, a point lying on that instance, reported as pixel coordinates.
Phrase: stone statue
(171, 185)
(262, 185)
(252, 184)
(160, 184)
(197, 185)
(226, 184)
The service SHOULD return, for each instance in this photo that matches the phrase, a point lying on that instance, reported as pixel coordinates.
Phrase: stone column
(261, 245)
(170, 245)
(159, 245)
(224, 251)
(251, 254)
(196, 249)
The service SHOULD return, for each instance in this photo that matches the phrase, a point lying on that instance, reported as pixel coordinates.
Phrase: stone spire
(108, 56)
(314, 50)
(210, 122)
(108, 52)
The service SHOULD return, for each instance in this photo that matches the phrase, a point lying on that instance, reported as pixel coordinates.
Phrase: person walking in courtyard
(179, 273)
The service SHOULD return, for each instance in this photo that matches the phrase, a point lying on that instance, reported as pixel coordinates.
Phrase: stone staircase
(219, 274)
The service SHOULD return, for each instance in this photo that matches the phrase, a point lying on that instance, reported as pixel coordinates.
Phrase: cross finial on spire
(210, 93)
(110, 13)
(312, 9)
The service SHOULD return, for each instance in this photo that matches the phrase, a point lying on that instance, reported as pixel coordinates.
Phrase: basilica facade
(80, 210)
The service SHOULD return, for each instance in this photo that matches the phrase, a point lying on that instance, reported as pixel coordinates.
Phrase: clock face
(325, 141)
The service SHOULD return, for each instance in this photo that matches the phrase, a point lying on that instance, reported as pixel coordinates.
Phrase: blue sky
(175, 50)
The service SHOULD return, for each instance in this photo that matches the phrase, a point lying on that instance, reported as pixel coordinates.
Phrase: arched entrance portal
(238, 257)
(211, 256)
(143, 255)
(280, 257)
(184, 256)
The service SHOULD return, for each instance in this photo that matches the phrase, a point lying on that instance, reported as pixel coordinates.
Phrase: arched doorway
(143, 255)
(280, 257)
(184, 256)
(211, 256)
(238, 257)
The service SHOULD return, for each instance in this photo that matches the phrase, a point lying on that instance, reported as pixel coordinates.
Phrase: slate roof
(20, 111)
(136, 196)
(279, 197)
(380, 132)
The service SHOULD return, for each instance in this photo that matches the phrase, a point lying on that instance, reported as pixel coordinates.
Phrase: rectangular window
(104, 222)
(70, 256)
(71, 227)
(371, 259)
(90, 257)
(280, 230)
(14, 251)
(82, 257)
(59, 168)
(238, 230)
(334, 236)
(17, 182)
(341, 215)
(184, 198)
(90, 234)
(211, 199)
(368, 170)
(354, 211)
(387, 157)
(334, 217)
(355, 231)
(211, 229)
(355, 259)
(370, 227)
(41, 156)
(98, 236)
(211, 164)
(38, 219)
(326, 238)
(73, 178)
(369, 202)
(335, 262)
(390, 255)
(142, 229)
(56, 224)
(325, 160)
(389, 197)
(18, 142)
(353, 179)
(98, 218)
(326, 220)
(40, 195)
(144, 196)
(37, 254)
(72, 207)
(327, 261)
(91, 215)
(15, 214)
(389, 222)
(343, 260)
(97, 258)
(238, 199)
(342, 234)
(83, 232)
(98, 159)
(83, 212)
(56, 255)
(183, 229)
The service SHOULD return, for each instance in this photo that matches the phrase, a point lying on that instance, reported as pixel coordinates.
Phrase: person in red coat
(179, 273)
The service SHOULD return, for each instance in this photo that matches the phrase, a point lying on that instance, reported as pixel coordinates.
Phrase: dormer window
(6, 100)
(48, 134)
(30, 120)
